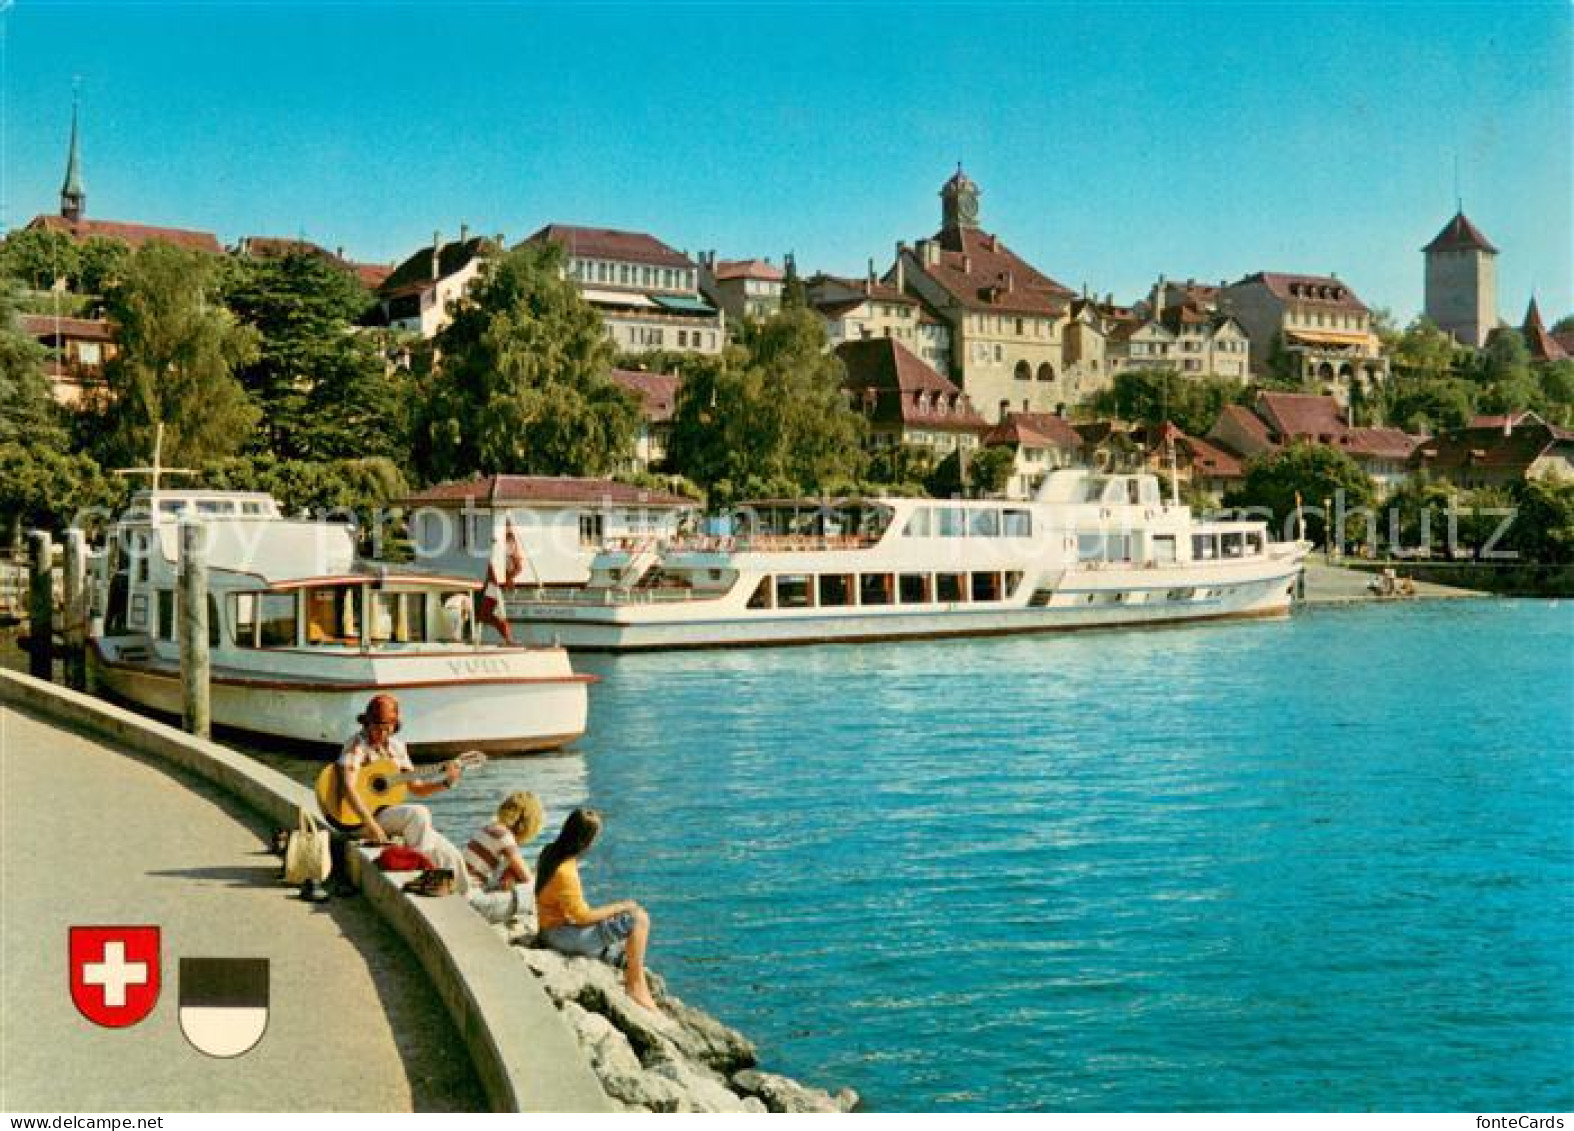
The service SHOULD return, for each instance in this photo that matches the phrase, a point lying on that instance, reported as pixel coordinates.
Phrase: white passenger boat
(1090, 551)
(301, 634)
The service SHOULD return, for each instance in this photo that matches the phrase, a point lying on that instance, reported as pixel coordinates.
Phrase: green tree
(523, 379)
(795, 296)
(769, 416)
(39, 257)
(1154, 396)
(1282, 369)
(1431, 405)
(101, 264)
(1316, 472)
(27, 409)
(179, 349)
(50, 488)
(1543, 526)
(325, 389)
(900, 469)
(987, 471)
(1422, 353)
(1514, 394)
(1505, 358)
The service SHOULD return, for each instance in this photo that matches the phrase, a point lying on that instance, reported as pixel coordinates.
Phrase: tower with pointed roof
(73, 197)
(1461, 282)
(959, 201)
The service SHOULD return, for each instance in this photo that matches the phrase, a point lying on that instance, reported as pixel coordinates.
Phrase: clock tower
(959, 201)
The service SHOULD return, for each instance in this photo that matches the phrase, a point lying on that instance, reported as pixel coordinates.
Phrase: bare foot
(641, 996)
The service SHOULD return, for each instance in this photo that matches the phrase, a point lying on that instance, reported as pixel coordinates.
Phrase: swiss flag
(114, 973)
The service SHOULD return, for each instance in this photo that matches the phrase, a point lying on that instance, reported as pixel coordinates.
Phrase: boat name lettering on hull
(482, 666)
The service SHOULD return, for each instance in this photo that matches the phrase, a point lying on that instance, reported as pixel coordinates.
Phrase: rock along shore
(679, 1060)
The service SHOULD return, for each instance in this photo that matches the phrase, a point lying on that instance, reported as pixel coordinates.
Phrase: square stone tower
(1461, 282)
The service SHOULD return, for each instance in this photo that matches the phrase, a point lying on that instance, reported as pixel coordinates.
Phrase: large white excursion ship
(302, 634)
(1089, 551)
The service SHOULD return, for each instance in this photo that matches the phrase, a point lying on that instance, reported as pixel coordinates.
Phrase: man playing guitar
(374, 742)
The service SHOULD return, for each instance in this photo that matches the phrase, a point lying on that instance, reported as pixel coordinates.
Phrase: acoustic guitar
(379, 785)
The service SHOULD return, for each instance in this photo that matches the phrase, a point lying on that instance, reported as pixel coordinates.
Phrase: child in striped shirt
(500, 881)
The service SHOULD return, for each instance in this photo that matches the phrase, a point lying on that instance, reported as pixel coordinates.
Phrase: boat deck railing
(771, 543)
(612, 595)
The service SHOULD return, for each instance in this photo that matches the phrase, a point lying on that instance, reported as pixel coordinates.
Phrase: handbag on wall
(307, 855)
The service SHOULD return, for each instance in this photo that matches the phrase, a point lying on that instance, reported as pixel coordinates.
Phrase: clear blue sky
(1112, 141)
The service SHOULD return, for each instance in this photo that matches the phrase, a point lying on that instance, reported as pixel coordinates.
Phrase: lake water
(1323, 863)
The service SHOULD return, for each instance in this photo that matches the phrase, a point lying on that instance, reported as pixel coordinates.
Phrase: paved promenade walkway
(1334, 585)
(89, 836)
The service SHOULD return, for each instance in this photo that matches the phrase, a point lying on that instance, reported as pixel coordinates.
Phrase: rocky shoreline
(680, 1060)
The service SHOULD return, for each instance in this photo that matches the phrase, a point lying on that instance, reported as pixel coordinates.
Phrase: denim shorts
(603, 940)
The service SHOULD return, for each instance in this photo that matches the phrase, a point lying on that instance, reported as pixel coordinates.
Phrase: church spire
(73, 197)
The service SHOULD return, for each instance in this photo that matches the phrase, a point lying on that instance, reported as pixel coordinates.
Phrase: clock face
(967, 206)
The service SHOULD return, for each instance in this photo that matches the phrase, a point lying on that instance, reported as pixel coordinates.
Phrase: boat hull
(519, 702)
(1079, 605)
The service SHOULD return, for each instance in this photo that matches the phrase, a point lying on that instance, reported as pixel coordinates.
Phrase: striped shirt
(486, 856)
(359, 752)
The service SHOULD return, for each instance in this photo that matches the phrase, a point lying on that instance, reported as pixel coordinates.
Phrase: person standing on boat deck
(567, 924)
(499, 877)
(374, 742)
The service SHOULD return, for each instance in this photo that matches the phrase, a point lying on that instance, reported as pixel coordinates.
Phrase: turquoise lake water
(1323, 863)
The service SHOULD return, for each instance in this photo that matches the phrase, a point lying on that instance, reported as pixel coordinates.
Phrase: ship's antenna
(158, 470)
(1169, 436)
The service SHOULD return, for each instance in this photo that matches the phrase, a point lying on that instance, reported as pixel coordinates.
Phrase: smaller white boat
(301, 634)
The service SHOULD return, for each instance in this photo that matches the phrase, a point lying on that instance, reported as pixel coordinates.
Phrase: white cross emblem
(114, 974)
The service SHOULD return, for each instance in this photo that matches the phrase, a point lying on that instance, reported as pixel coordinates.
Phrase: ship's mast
(157, 471)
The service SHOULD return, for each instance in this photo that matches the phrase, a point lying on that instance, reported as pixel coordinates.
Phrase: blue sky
(1113, 142)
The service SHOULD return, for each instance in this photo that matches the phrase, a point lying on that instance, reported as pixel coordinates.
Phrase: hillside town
(952, 365)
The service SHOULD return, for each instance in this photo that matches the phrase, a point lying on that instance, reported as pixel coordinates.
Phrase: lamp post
(1328, 531)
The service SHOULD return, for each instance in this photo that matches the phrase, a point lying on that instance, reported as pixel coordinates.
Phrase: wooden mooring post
(194, 664)
(73, 630)
(41, 604)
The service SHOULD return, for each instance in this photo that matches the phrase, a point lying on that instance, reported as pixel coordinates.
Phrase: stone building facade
(1319, 326)
(1461, 282)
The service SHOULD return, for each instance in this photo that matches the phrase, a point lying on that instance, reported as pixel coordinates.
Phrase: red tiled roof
(1323, 290)
(609, 243)
(1211, 459)
(1565, 338)
(1247, 421)
(78, 329)
(827, 291)
(981, 273)
(505, 489)
(371, 275)
(134, 235)
(749, 269)
(1490, 448)
(657, 392)
(1301, 415)
(1035, 429)
(1542, 345)
(1460, 234)
(1379, 443)
(893, 385)
(1514, 418)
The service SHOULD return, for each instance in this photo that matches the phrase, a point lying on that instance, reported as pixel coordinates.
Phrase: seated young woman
(499, 878)
(568, 924)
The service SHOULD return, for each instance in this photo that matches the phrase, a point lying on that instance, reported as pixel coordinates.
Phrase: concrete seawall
(525, 1055)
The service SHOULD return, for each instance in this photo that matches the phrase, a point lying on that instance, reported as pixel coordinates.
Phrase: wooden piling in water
(194, 663)
(75, 609)
(41, 604)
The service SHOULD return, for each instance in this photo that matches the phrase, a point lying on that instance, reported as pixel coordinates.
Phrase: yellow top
(562, 901)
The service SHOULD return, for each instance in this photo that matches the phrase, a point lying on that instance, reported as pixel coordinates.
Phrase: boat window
(876, 589)
(455, 620)
(836, 589)
(1013, 579)
(986, 524)
(950, 587)
(1164, 548)
(140, 551)
(1233, 545)
(1133, 490)
(1203, 547)
(917, 524)
(793, 592)
(276, 621)
(214, 622)
(399, 617)
(1254, 544)
(1090, 547)
(331, 616)
(913, 588)
(953, 522)
(986, 587)
(166, 614)
(1017, 524)
(252, 508)
(1183, 594)
(139, 611)
(215, 507)
(172, 507)
(761, 597)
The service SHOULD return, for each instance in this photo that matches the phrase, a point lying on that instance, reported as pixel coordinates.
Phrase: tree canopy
(179, 349)
(1316, 472)
(769, 416)
(1154, 396)
(523, 379)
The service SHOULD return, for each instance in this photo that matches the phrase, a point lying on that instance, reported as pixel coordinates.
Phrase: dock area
(93, 836)
(1334, 585)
